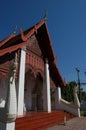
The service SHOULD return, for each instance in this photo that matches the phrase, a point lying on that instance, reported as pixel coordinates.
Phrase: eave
(12, 48)
(55, 75)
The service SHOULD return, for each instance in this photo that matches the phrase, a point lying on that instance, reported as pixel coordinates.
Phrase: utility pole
(78, 71)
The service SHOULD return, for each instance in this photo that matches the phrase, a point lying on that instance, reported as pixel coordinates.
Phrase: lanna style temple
(31, 62)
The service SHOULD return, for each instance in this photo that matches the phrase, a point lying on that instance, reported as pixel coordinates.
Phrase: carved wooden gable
(34, 60)
(33, 45)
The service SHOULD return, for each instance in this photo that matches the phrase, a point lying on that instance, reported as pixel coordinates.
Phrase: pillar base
(7, 126)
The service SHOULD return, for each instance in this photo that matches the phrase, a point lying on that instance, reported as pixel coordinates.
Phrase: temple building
(37, 74)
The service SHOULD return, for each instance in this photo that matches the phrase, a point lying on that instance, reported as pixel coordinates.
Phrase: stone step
(40, 120)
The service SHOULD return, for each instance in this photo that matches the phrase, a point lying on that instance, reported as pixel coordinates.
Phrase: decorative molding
(32, 45)
(34, 60)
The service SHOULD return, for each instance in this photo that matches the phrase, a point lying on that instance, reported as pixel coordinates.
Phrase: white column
(7, 126)
(47, 97)
(57, 97)
(59, 93)
(21, 82)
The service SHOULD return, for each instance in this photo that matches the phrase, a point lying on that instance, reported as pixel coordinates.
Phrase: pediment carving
(33, 45)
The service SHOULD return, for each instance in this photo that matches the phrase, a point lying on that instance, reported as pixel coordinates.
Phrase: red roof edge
(12, 48)
(32, 31)
(6, 40)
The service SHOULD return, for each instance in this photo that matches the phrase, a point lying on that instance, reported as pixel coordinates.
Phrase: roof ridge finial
(45, 16)
(14, 31)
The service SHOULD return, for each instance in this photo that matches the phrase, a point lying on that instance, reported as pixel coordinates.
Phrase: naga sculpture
(76, 99)
(8, 113)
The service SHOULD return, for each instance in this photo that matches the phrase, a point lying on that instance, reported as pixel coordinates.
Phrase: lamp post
(78, 71)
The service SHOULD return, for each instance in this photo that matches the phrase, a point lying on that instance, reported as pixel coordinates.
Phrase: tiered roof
(13, 43)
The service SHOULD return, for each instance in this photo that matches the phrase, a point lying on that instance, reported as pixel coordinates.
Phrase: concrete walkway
(73, 124)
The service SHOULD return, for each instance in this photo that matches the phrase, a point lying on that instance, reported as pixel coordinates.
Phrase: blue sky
(66, 23)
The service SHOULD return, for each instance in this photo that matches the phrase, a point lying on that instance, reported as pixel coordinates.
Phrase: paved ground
(73, 124)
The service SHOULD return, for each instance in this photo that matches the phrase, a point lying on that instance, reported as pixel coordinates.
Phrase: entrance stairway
(41, 120)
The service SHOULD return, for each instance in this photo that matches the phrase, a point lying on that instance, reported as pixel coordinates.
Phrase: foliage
(83, 113)
(67, 92)
(82, 95)
(52, 94)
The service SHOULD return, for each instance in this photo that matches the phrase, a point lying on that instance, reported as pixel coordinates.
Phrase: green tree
(67, 92)
(82, 95)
